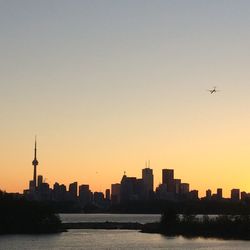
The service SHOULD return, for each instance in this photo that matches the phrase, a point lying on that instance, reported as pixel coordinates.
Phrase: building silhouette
(129, 189)
(193, 195)
(73, 189)
(39, 181)
(85, 195)
(219, 194)
(168, 179)
(148, 180)
(34, 163)
(115, 193)
(235, 194)
(177, 186)
(184, 188)
(107, 194)
(208, 194)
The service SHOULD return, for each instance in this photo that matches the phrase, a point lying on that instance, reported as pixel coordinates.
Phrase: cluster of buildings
(236, 195)
(129, 189)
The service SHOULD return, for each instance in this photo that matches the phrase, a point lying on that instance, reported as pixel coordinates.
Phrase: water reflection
(113, 239)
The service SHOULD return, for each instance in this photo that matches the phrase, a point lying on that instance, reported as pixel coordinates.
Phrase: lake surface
(112, 239)
(140, 218)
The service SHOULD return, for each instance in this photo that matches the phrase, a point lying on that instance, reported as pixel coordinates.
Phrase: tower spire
(35, 149)
(35, 163)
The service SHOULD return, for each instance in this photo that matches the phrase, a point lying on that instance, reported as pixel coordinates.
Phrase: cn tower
(34, 163)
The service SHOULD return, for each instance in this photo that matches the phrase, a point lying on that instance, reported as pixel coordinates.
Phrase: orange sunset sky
(106, 85)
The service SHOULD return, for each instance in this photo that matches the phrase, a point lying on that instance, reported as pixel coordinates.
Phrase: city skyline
(168, 184)
(108, 85)
(129, 189)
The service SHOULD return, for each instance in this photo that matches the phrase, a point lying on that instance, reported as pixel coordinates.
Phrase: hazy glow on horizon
(107, 85)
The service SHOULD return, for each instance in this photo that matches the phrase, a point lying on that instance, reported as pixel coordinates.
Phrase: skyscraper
(148, 179)
(235, 194)
(177, 186)
(115, 193)
(184, 188)
(73, 189)
(208, 194)
(84, 194)
(34, 163)
(168, 179)
(219, 193)
(39, 180)
(107, 194)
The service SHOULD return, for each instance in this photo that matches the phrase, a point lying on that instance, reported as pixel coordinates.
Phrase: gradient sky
(106, 85)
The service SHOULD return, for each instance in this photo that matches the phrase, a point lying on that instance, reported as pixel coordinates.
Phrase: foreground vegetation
(224, 226)
(21, 216)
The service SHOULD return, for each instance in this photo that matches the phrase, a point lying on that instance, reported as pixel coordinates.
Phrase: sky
(106, 85)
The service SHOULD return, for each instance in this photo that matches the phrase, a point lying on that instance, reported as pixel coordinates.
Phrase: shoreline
(103, 225)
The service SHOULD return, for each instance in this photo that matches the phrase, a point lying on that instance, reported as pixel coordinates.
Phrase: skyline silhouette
(129, 188)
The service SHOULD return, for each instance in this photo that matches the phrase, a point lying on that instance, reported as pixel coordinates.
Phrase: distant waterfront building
(140, 192)
(59, 192)
(208, 194)
(32, 187)
(73, 189)
(168, 179)
(44, 192)
(219, 194)
(235, 194)
(128, 186)
(107, 194)
(163, 194)
(39, 180)
(184, 188)
(177, 186)
(194, 194)
(148, 179)
(115, 193)
(85, 194)
(98, 197)
(245, 196)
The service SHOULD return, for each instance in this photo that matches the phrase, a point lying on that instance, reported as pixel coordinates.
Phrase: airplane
(212, 91)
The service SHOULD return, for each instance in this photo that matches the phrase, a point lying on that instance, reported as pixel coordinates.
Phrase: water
(140, 218)
(112, 239)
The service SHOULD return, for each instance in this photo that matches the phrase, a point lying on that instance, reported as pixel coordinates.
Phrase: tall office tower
(194, 195)
(39, 180)
(168, 179)
(208, 194)
(31, 186)
(148, 179)
(98, 197)
(177, 186)
(84, 194)
(184, 188)
(235, 194)
(115, 193)
(107, 194)
(219, 193)
(128, 189)
(73, 189)
(34, 163)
